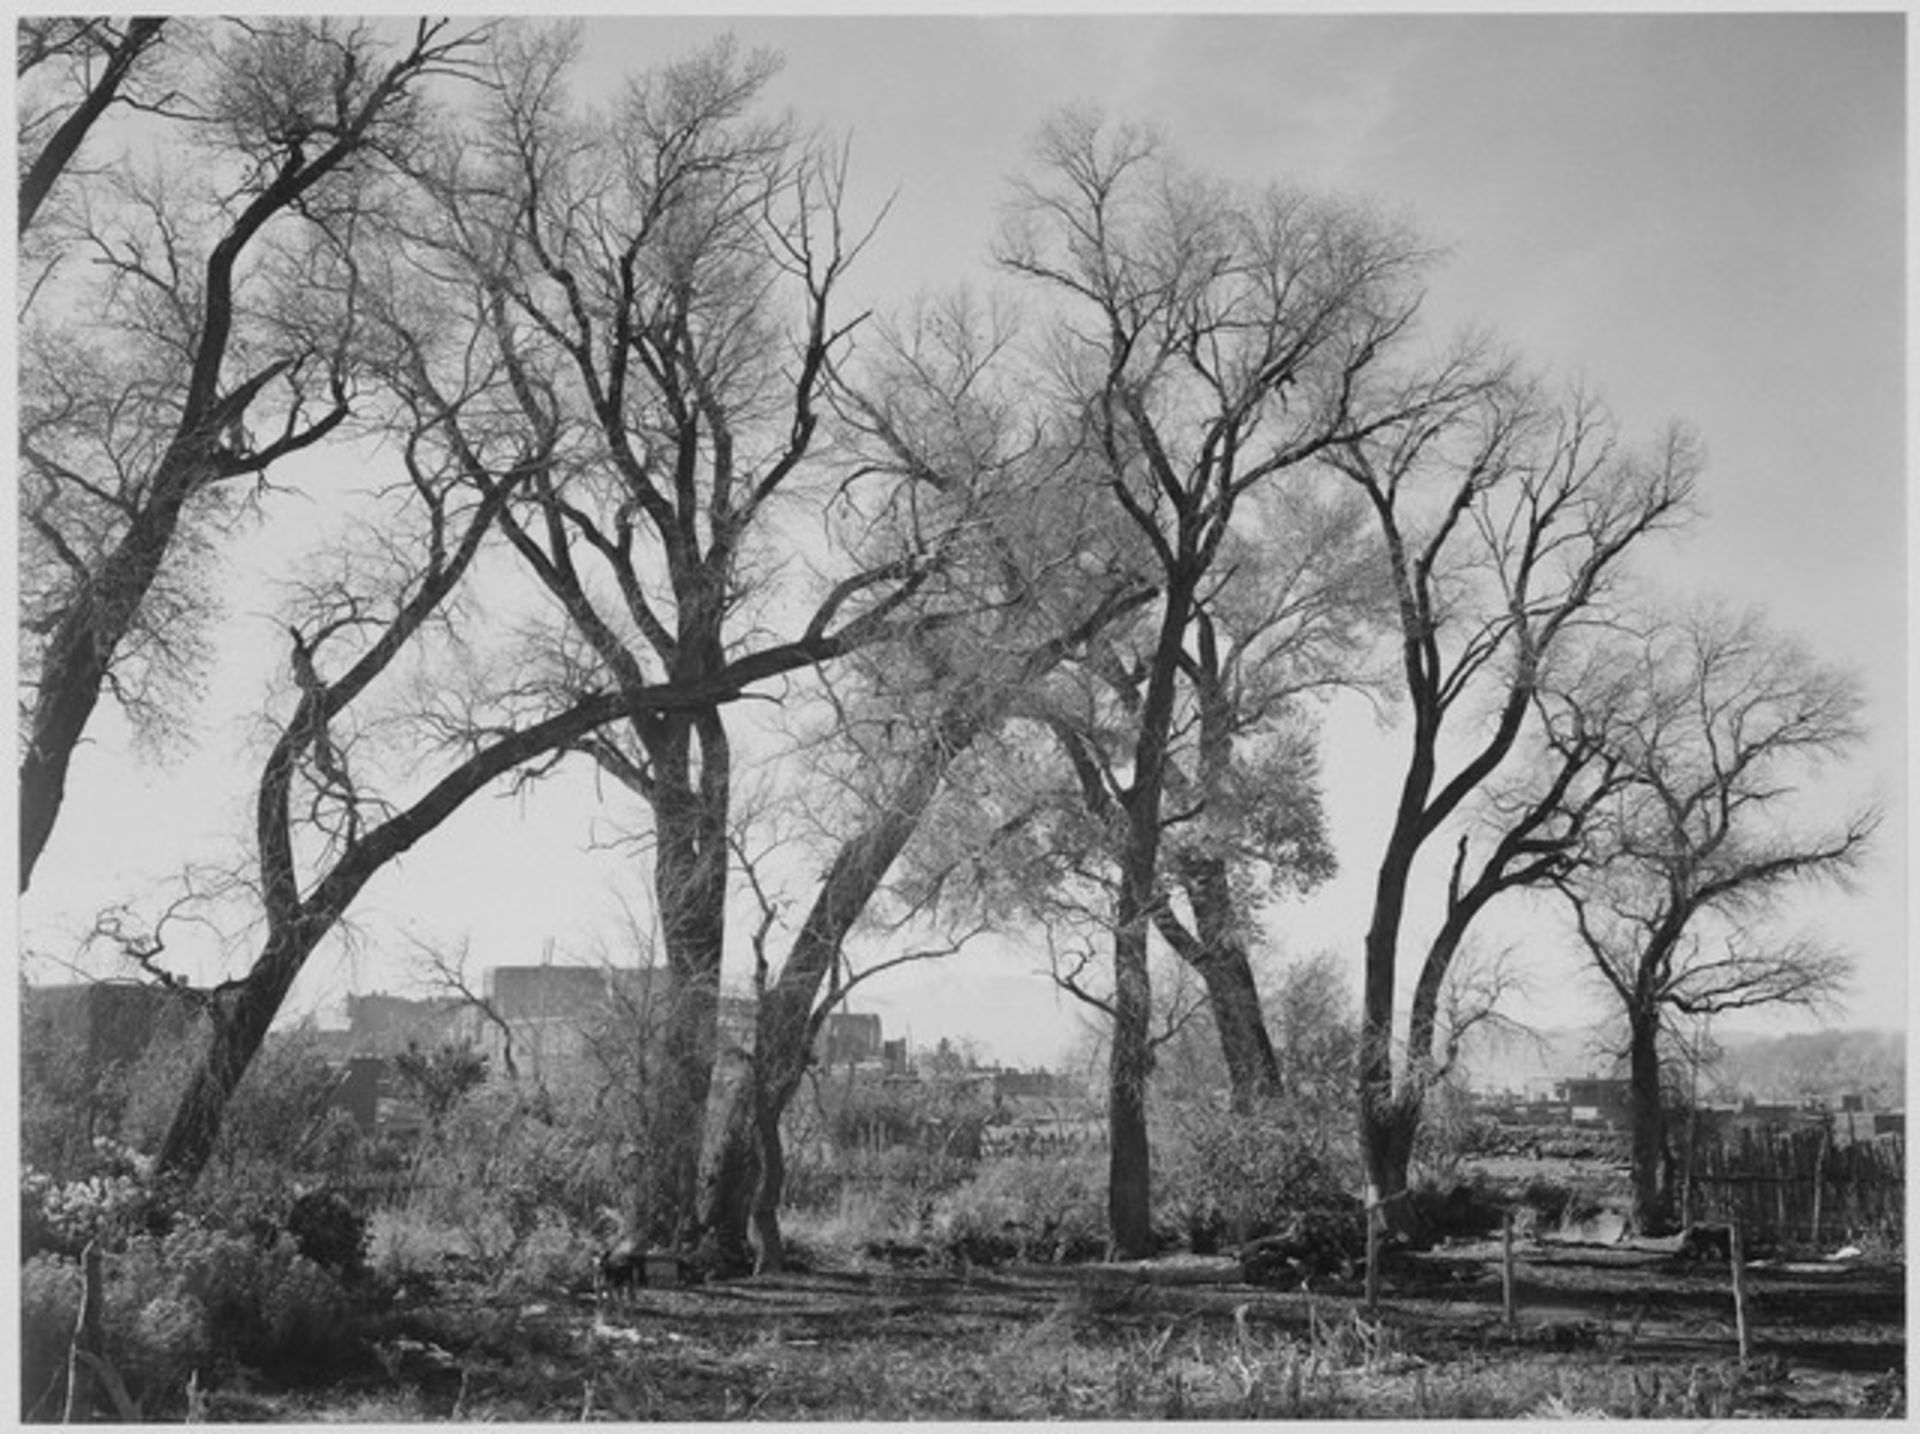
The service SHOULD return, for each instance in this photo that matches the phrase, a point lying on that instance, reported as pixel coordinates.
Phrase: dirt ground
(1619, 1328)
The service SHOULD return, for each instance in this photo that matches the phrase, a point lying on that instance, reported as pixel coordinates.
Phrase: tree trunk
(1386, 1138)
(1129, 1183)
(81, 649)
(766, 1197)
(690, 885)
(1387, 1159)
(1129, 1194)
(1233, 998)
(727, 1206)
(240, 1020)
(744, 1186)
(1253, 1069)
(1253, 1072)
(1390, 1162)
(1648, 1117)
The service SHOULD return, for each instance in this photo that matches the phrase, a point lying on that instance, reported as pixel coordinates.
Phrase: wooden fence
(1800, 1186)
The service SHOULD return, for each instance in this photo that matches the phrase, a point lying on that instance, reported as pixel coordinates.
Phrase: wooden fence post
(1819, 1178)
(1373, 1257)
(1506, 1269)
(1736, 1257)
(86, 1341)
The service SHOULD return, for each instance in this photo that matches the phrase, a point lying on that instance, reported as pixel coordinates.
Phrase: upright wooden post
(87, 1340)
(1737, 1258)
(1819, 1179)
(1506, 1269)
(1373, 1257)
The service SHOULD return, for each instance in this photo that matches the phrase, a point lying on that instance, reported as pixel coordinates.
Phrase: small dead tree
(446, 972)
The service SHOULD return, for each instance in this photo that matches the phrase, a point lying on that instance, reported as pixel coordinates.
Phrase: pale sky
(1700, 215)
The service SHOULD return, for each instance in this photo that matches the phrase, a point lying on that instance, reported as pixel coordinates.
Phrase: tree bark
(1129, 1182)
(766, 1196)
(1220, 958)
(1129, 1192)
(690, 814)
(743, 1188)
(728, 1205)
(1233, 997)
(1385, 1147)
(1391, 1171)
(1648, 1117)
(240, 1019)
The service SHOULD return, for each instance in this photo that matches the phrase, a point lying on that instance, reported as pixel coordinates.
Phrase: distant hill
(1528, 1062)
(1810, 1063)
(1814, 1063)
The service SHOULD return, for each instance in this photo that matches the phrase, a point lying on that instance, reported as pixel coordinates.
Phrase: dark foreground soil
(1616, 1330)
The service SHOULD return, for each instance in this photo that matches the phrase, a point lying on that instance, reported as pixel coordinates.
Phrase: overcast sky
(1700, 215)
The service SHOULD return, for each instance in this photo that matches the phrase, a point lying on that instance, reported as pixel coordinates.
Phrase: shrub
(504, 1162)
(268, 1307)
(1470, 1210)
(875, 1194)
(1223, 1176)
(554, 1256)
(407, 1250)
(1025, 1208)
(49, 1306)
(195, 1299)
(1556, 1204)
(1452, 1131)
(329, 1232)
(112, 1200)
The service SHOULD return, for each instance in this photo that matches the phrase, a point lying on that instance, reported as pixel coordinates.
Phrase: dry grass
(940, 1350)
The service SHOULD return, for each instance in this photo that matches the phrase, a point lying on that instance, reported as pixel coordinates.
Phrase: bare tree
(1211, 341)
(1502, 518)
(662, 289)
(939, 402)
(1717, 729)
(205, 361)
